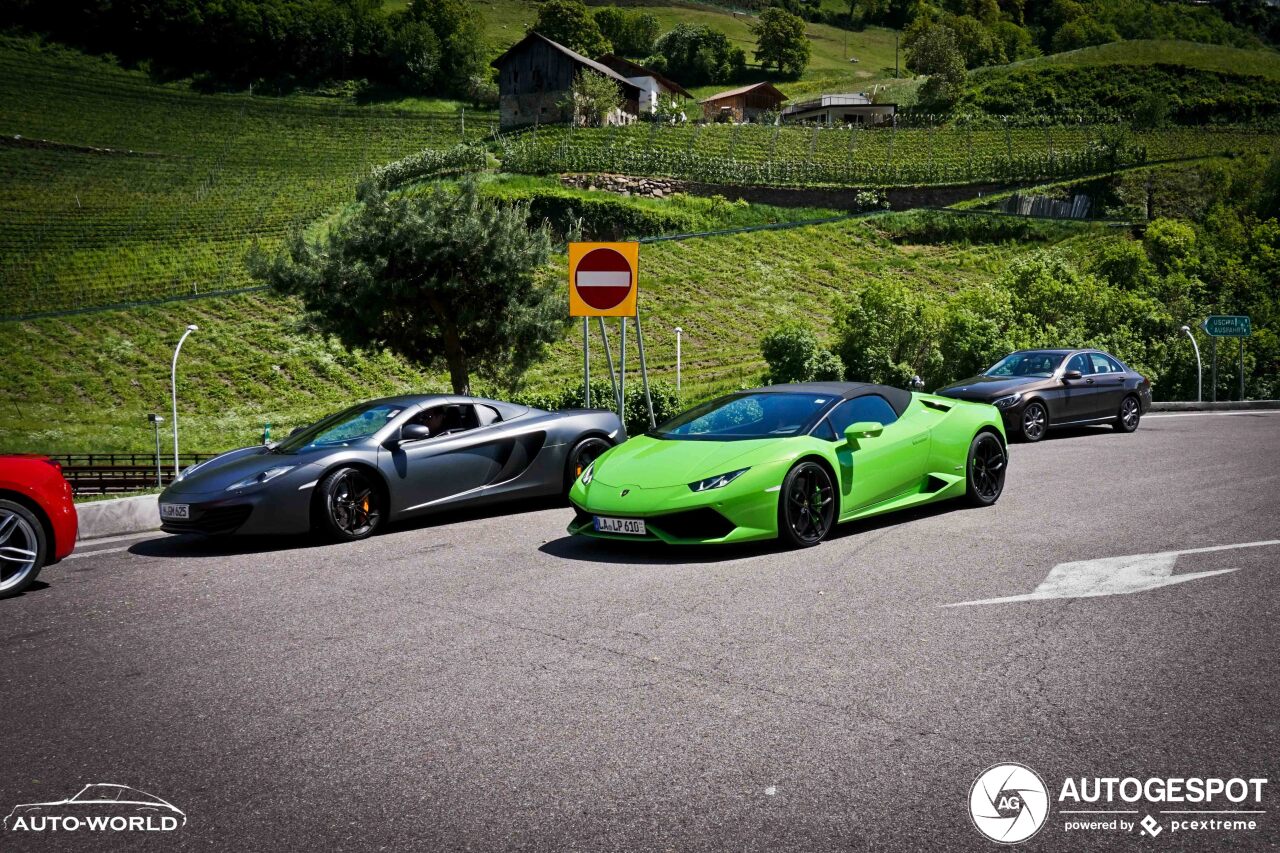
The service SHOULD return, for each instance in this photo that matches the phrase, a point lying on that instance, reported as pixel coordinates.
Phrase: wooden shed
(742, 104)
(535, 77)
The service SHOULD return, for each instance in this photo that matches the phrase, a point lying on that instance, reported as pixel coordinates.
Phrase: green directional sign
(1227, 326)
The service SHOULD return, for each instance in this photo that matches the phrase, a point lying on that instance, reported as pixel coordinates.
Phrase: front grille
(214, 521)
(703, 523)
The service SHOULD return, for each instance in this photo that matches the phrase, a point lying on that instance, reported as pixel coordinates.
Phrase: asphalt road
(490, 683)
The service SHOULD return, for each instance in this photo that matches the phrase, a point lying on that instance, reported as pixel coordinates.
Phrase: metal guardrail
(107, 473)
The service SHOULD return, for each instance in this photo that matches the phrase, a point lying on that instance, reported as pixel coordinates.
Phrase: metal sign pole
(586, 363)
(622, 375)
(1213, 373)
(678, 333)
(1241, 367)
(644, 372)
(608, 355)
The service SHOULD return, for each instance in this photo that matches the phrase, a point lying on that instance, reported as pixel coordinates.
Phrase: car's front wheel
(988, 462)
(23, 548)
(1035, 421)
(350, 505)
(1130, 414)
(806, 505)
(581, 456)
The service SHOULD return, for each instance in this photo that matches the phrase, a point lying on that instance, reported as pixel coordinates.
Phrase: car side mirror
(414, 432)
(1071, 374)
(863, 429)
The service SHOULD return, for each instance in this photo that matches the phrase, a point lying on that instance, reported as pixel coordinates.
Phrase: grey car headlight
(258, 479)
(189, 470)
(717, 482)
(1006, 402)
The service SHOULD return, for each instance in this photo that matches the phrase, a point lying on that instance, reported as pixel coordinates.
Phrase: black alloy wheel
(807, 507)
(1130, 414)
(1035, 421)
(351, 506)
(988, 463)
(585, 452)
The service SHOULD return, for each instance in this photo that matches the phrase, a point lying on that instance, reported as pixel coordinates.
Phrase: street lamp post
(678, 332)
(1199, 369)
(173, 378)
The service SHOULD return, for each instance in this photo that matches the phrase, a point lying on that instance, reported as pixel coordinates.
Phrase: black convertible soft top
(898, 398)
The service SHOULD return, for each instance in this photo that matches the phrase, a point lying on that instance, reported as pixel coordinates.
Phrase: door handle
(920, 440)
(1088, 382)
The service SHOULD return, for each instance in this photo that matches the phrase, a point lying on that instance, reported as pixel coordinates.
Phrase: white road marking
(1211, 414)
(1116, 575)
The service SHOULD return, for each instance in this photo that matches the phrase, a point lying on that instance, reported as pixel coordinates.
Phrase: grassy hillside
(86, 382)
(1206, 57)
(190, 181)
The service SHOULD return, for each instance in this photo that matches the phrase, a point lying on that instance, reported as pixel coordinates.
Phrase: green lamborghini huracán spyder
(790, 462)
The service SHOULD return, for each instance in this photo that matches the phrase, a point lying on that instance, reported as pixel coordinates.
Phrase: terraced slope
(86, 382)
(797, 156)
(182, 184)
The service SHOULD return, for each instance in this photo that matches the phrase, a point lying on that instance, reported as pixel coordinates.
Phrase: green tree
(460, 33)
(632, 33)
(414, 49)
(444, 279)
(975, 42)
(934, 53)
(592, 98)
(887, 335)
(696, 54)
(569, 23)
(1083, 32)
(794, 354)
(781, 41)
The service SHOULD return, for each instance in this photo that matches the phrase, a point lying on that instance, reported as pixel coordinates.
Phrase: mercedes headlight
(588, 474)
(258, 479)
(717, 482)
(1006, 402)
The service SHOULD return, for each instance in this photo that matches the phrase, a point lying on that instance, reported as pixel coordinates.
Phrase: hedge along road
(488, 681)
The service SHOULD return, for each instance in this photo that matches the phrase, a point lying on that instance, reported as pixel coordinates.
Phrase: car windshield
(747, 415)
(1027, 364)
(344, 428)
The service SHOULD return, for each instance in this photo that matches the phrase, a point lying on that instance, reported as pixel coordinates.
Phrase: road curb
(99, 519)
(1236, 406)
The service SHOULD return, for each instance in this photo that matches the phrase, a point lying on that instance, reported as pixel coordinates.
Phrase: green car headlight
(717, 482)
(586, 475)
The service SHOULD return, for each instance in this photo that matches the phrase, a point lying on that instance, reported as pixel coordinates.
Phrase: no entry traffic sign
(603, 279)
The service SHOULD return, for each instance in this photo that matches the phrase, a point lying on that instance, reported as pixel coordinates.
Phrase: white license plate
(175, 511)
(630, 526)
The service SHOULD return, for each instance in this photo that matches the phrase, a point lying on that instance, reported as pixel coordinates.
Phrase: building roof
(742, 90)
(634, 69)
(574, 55)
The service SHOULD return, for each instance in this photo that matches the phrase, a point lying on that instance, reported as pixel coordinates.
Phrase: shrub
(666, 403)
(888, 335)
(794, 354)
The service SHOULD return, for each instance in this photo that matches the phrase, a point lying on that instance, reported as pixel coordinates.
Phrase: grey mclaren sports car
(385, 460)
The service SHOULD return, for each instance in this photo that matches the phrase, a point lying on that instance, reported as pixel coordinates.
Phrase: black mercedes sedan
(1039, 390)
